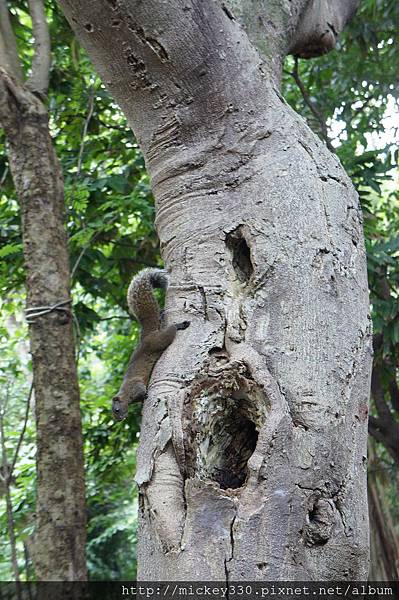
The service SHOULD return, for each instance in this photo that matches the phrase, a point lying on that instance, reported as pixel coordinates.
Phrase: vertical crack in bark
(231, 557)
(204, 302)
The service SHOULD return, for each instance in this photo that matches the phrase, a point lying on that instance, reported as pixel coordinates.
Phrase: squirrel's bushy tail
(141, 300)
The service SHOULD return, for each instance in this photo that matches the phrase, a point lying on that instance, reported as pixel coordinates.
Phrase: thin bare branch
(4, 176)
(7, 478)
(87, 246)
(378, 339)
(115, 317)
(78, 171)
(22, 433)
(316, 113)
(394, 392)
(393, 387)
(39, 78)
(9, 59)
(84, 133)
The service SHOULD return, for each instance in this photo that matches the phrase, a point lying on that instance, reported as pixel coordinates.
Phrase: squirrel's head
(119, 408)
(131, 391)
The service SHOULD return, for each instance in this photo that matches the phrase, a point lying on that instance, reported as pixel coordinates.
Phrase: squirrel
(154, 338)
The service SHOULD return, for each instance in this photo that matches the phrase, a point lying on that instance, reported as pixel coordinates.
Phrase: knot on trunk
(320, 521)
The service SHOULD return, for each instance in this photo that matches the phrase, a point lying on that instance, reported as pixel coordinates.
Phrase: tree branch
(84, 133)
(386, 432)
(22, 433)
(319, 117)
(394, 393)
(15, 103)
(383, 289)
(87, 246)
(320, 25)
(377, 430)
(116, 317)
(305, 28)
(39, 78)
(378, 395)
(268, 30)
(9, 58)
(7, 478)
(378, 339)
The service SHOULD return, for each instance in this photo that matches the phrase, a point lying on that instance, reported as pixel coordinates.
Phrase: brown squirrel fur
(154, 338)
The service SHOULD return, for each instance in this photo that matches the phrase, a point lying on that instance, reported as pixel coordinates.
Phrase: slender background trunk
(252, 462)
(384, 546)
(60, 531)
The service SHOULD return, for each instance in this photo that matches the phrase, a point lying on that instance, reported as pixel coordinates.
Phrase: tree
(109, 210)
(349, 98)
(252, 462)
(60, 523)
(384, 545)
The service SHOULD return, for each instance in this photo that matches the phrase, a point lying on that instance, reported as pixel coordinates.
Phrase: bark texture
(39, 79)
(8, 46)
(252, 463)
(61, 522)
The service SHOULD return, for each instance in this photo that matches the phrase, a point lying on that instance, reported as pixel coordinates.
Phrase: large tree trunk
(60, 510)
(252, 463)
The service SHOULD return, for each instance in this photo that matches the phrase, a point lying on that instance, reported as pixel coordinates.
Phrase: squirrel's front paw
(183, 325)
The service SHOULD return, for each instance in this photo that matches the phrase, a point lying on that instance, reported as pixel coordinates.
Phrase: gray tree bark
(252, 463)
(60, 529)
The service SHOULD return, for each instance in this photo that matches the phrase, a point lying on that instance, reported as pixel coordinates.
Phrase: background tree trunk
(384, 546)
(61, 523)
(252, 462)
(60, 532)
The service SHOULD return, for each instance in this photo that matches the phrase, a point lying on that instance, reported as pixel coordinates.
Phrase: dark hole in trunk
(225, 441)
(232, 470)
(241, 254)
